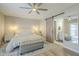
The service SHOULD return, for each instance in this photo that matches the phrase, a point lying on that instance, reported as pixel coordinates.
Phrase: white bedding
(21, 39)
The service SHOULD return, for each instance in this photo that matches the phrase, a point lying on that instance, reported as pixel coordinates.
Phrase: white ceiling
(12, 9)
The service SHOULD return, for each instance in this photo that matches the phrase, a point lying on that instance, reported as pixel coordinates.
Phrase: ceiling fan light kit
(34, 7)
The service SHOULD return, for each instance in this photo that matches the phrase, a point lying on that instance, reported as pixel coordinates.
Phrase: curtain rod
(55, 15)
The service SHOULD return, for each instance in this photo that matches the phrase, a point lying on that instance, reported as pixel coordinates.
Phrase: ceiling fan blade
(37, 12)
(25, 7)
(30, 4)
(42, 9)
(30, 11)
(34, 5)
(39, 4)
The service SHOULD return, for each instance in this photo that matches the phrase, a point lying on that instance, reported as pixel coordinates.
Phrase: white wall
(1, 27)
(43, 28)
(25, 25)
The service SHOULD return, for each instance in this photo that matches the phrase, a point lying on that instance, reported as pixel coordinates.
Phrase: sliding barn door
(49, 30)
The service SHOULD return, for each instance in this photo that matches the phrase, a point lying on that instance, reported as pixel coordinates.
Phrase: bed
(24, 43)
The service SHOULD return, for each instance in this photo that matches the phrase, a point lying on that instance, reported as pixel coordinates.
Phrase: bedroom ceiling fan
(34, 7)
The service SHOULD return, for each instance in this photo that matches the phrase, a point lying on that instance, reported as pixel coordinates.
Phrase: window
(74, 32)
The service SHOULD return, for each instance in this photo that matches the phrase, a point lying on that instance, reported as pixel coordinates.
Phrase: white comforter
(21, 39)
